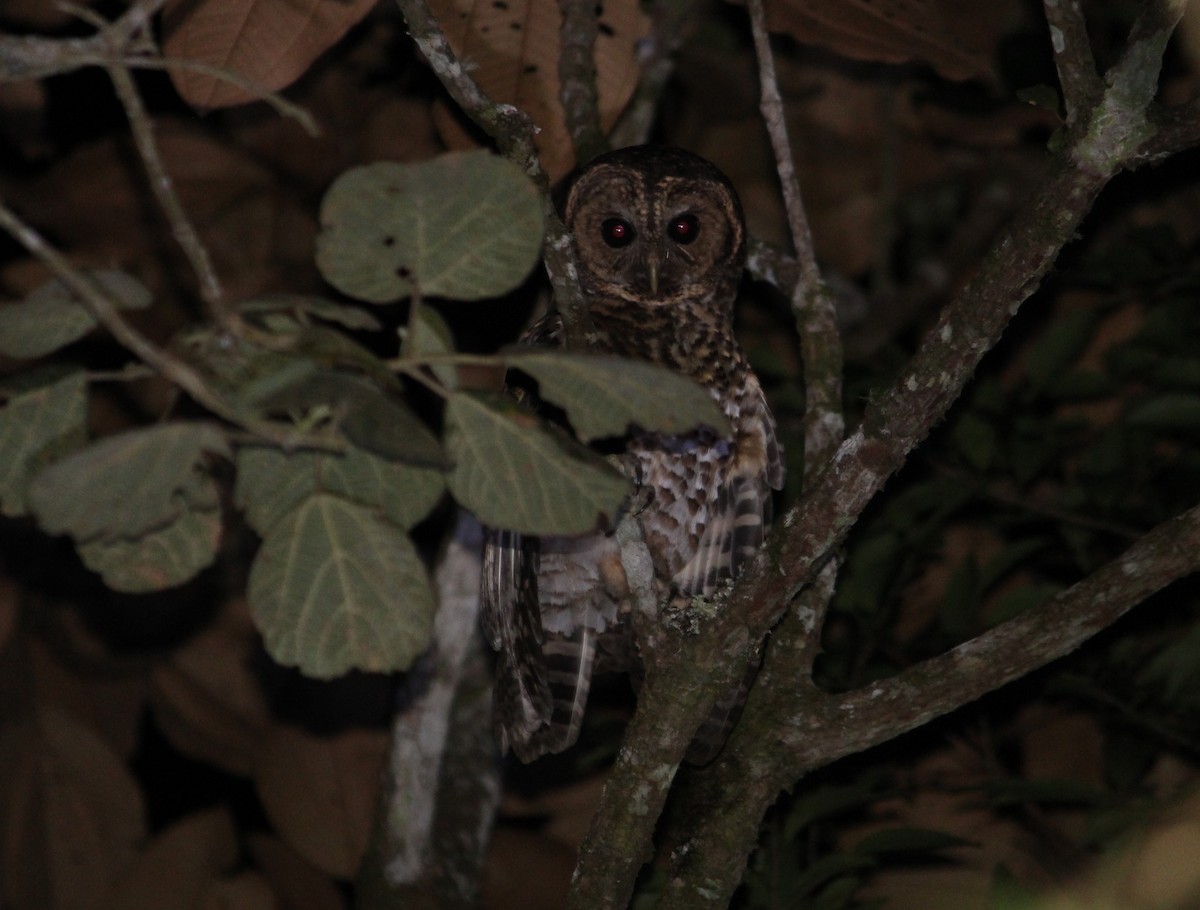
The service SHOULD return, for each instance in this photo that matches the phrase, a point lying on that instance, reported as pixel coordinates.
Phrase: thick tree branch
(823, 728)
(756, 763)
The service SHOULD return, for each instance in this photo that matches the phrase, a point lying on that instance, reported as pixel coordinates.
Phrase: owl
(660, 245)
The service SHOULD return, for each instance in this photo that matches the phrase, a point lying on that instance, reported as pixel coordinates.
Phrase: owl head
(656, 225)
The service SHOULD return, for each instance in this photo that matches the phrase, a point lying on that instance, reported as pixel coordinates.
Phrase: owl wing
(513, 626)
(723, 515)
(542, 675)
(713, 499)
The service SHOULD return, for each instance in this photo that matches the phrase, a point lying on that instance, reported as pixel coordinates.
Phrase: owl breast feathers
(659, 242)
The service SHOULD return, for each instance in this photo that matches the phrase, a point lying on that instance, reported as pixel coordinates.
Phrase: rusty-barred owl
(660, 245)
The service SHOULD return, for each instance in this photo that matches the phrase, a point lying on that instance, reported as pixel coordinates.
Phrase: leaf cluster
(338, 582)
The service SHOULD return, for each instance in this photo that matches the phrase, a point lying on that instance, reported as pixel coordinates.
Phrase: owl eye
(684, 228)
(617, 233)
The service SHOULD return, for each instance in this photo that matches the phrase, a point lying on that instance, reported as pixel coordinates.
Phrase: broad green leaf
(466, 225)
(270, 483)
(52, 317)
(335, 587)
(513, 473)
(603, 395)
(159, 559)
(36, 426)
(129, 484)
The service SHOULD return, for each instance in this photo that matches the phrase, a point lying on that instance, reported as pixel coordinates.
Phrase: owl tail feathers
(534, 730)
(711, 736)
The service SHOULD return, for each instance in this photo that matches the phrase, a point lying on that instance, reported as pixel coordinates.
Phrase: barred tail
(568, 671)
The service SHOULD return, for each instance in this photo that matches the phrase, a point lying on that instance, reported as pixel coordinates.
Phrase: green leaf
(1172, 411)
(1020, 600)
(466, 225)
(289, 307)
(513, 473)
(271, 483)
(336, 587)
(127, 485)
(604, 395)
(1059, 347)
(975, 439)
(825, 870)
(160, 559)
(52, 316)
(1049, 791)
(370, 417)
(36, 426)
(428, 335)
(908, 840)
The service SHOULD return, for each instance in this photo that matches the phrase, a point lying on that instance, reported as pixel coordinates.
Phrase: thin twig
(672, 23)
(163, 362)
(33, 57)
(816, 318)
(276, 101)
(160, 181)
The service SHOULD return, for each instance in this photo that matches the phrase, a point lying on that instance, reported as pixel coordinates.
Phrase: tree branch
(672, 23)
(1081, 84)
(440, 794)
(513, 133)
(577, 78)
(163, 188)
(159, 359)
(757, 762)
(812, 304)
(33, 57)
(823, 728)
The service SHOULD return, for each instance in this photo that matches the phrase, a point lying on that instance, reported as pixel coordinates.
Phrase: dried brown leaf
(268, 42)
(950, 37)
(206, 698)
(512, 50)
(108, 695)
(320, 792)
(183, 867)
(298, 884)
(95, 203)
(72, 814)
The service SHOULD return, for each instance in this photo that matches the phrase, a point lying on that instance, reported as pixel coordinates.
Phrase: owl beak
(652, 268)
